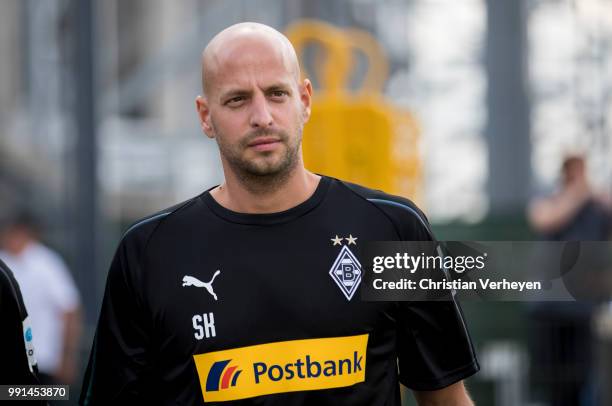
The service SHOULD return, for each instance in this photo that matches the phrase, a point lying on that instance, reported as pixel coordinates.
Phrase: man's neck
(295, 189)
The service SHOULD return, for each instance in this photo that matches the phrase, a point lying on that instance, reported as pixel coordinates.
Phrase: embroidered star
(337, 240)
(351, 239)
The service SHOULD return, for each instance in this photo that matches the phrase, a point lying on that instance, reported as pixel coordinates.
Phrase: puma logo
(191, 281)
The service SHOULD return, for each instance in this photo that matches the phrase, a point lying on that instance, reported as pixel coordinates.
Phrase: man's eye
(235, 100)
(279, 93)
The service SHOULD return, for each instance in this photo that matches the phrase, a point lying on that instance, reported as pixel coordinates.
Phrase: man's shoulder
(379, 196)
(385, 201)
(40, 255)
(9, 288)
(401, 211)
(143, 228)
(6, 276)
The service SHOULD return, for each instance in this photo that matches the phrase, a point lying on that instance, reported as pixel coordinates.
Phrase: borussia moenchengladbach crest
(346, 272)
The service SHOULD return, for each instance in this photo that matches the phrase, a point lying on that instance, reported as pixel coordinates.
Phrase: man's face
(15, 238)
(574, 170)
(255, 109)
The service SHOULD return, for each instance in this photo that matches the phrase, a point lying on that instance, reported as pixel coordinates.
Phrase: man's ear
(306, 99)
(204, 114)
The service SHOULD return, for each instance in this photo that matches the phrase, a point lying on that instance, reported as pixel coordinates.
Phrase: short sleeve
(119, 360)
(433, 345)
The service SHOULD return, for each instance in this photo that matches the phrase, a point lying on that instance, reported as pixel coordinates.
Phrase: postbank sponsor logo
(220, 377)
(286, 366)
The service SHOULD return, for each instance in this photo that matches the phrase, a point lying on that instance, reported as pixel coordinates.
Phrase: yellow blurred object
(356, 135)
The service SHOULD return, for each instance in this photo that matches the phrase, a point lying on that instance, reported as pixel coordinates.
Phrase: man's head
(573, 169)
(254, 103)
(17, 232)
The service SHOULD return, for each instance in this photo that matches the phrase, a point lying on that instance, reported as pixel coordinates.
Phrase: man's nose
(261, 117)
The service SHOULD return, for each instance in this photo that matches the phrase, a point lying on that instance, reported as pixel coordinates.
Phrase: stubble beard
(260, 175)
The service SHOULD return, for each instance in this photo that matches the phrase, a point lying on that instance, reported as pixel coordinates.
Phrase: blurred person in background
(50, 295)
(576, 212)
(561, 332)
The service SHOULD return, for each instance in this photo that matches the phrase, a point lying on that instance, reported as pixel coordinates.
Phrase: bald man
(255, 107)
(246, 294)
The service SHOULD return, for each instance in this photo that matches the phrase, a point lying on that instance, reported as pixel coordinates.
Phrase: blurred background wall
(98, 124)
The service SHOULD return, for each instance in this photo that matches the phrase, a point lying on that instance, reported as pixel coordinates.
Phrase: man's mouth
(264, 143)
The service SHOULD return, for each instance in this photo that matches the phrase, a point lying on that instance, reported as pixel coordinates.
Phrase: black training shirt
(18, 363)
(206, 306)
